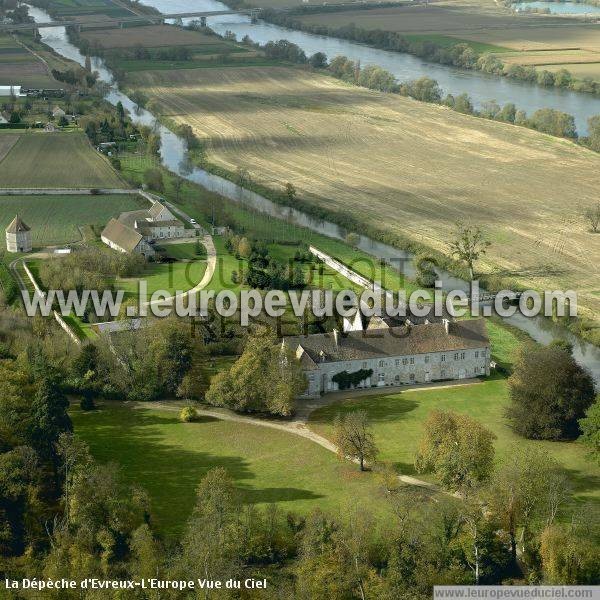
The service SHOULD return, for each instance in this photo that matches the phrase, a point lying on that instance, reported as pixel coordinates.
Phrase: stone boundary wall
(57, 316)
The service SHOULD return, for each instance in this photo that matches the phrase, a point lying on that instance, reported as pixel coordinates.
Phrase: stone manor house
(135, 231)
(397, 355)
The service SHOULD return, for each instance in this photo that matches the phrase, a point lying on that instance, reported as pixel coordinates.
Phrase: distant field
(579, 71)
(493, 27)
(151, 36)
(399, 165)
(42, 160)
(73, 8)
(19, 67)
(54, 219)
(551, 57)
(169, 458)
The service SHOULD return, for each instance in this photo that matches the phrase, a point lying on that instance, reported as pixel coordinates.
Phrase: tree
(592, 216)
(549, 392)
(469, 244)
(212, 544)
(352, 239)
(318, 60)
(528, 488)
(594, 133)
(290, 192)
(153, 178)
(138, 98)
(426, 273)
(554, 122)
(463, 104)
(266, 378)
(590, 429)
(188, 414)
(457, 448)
(354, 438)
(244, 248)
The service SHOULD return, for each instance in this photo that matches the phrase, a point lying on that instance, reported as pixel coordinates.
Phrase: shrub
(188, 414)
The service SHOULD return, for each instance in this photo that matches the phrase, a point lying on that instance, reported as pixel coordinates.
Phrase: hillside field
(49, 160)
(412, 168)
(18, 66)
(54, 219)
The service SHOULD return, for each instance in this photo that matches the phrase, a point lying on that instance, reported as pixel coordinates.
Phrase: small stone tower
(18, 236)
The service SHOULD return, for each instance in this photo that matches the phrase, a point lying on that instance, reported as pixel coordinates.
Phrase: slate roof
(17, 225)
(394, 341)
(155, 210)
(124, 237)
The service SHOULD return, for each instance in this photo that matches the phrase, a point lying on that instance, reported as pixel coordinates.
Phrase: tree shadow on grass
(134, 440)
(380, 409)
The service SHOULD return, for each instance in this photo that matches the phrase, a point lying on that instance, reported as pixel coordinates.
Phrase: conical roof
(17, 225)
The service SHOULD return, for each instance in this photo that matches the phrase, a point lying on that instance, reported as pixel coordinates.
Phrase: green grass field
(54, 219)
(170, 277)
(397, 421)
(168, 458)
(185, 251)
(56, 160)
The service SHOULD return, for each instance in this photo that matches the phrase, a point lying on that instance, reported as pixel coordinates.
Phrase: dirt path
(295, 427)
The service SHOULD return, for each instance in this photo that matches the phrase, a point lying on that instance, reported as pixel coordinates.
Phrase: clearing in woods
(400, 165)
(55, 160)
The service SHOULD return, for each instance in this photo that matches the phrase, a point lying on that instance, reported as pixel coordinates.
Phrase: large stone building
(135, 231)
(18, 236)
(402, 355)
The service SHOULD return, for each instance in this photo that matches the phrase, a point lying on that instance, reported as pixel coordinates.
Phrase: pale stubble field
(400, 165)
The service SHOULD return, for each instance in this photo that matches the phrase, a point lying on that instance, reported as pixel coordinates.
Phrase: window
(476, 353)
(397, 378)
(397, 361)
(405, 361)
(412, 376)
(462, 356)
(456, 356)
(427, 359)
(364, 365)
(443, 373)
(381, 376)
(412, 361)
(443, 358)
(311, 376)
(382, 363)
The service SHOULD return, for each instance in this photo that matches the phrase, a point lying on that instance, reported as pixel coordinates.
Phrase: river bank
(174, 153)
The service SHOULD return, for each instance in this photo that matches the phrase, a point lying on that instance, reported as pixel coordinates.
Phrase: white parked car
(193, 221)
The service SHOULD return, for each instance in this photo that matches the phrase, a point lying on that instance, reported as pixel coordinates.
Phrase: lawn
(169, 277)
(56, 160)
(341, 148)
(168, 458)
(55, 219)
(188, 251)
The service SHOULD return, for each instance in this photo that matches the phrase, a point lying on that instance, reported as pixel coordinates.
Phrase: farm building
(125, 239)
(18, 236)
(393, 356)
(156, 223)
(58, 112)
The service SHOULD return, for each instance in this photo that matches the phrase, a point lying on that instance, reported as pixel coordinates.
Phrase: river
(480, 86)
(174, 157)
(559, 7)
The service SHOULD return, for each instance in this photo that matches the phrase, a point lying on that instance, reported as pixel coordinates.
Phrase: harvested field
(400, 165)
(55, 219)
(153, 36)
(565, 58)
(580, 70)
(6, 144)
(18, 66)
(42, 160)
(505, 29)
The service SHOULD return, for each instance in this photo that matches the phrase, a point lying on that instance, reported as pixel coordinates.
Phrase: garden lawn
(55, 219)
(169, 458)
(397, 420)
(187, 251)
(170, 277)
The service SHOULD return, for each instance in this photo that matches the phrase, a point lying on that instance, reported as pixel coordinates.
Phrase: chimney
(336, 337)
(446, 323)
